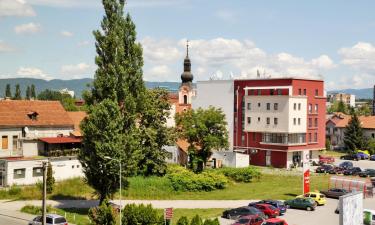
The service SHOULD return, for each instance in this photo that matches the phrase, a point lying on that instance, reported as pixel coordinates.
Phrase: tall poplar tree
(353, 134)
(17, 94)
(8, 92)
(28, 93)
(33, 93)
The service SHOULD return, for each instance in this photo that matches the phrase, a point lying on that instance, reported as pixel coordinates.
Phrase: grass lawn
(158, 188)
(190, 213)
(336, 154)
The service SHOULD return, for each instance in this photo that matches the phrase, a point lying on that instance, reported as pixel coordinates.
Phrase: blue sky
(333, 40)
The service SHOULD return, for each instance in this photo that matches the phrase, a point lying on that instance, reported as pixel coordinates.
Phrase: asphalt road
(363, 164)
(6, 220)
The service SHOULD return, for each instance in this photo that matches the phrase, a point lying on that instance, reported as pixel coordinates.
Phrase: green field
(274, 186)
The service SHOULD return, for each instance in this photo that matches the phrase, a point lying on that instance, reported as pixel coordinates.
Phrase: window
(4, 142)
(309, 137)
(304, 91)
(316, 122)
(185, 99)
(258, 119)
(19, 173)
(373, 135)
(299, 121)
(299, 106)
(295, 106)
(77, 166)
(259, 92)
(294, 121)
(310, 122)
(268, 106)
(73, 167)
(275, 106)
(279, 91)
(316, 108)
(258, 104)
(275, 121)
(249, 106)
(272, 92)
(316, 92)
(248, 120)
(283, 138)
(299, 91)
(15, 143)
(310, 108)
(315, 137)
(37, 171)
(268, 120)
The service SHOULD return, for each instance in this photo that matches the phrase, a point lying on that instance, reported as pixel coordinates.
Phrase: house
(347, 99)
(33, 131)
(335, 128)
(279, 122)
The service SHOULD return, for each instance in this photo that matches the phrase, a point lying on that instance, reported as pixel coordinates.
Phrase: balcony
(284, 139)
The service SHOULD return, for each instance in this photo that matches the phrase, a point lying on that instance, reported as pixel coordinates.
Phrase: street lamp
(119, 162)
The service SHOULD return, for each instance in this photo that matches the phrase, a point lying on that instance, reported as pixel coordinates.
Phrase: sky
(331, 40)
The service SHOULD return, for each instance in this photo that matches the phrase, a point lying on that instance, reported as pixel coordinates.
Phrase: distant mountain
(365, 93)
(77, 85)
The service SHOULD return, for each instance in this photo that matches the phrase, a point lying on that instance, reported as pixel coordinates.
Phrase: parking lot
(323, 215)
(363, 164)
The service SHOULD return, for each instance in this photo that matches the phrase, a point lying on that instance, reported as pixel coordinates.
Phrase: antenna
(258, 74)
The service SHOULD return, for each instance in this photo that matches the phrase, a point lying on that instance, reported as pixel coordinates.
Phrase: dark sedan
(324, 169)
(350, 157)
(242, 211)
(334, 192)
(367, 173)
(352, 171)
(278, 204)
(372, 158)
(346, 165)
(336, 170)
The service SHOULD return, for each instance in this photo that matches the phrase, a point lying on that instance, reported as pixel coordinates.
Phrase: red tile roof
(60, 140)
(14, 113)
(77, 117)
(341, 120)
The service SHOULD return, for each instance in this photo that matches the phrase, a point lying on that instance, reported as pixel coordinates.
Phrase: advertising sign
(306, 171)
(168, 213)
(351, 209)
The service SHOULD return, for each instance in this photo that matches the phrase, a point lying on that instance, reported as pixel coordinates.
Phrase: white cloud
(360, 56)
(15, 8)
(78, 69)
(33, 73)
(160, 50)
(158, 73)
(28, 28)
(324, 62)
(4, 47)
(66, 33)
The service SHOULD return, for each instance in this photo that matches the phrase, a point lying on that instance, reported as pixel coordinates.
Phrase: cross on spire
(187, 48)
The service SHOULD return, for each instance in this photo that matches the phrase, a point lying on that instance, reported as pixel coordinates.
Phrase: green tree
(183, 221)
(8, 92)
(196, 220)
(33, 94)
(328, 144)
(28, 93)
(341, 107)
(104, 214)
(211, 222)
(102, 138)
(155, 134)
(204, 130)
(141, 215)
(17, 95)
(364, 110)
(353, 134)
(50, 179)
(66, 100)
(371, 146)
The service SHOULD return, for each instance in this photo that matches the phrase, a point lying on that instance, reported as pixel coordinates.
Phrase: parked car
(367, 173)
(242, 211)
(346, 165)
(350, 157)
(372, 158)
(319, 198)
(249, 220)
(301, 203)
(334, 192)
(51, 219)
(275, 221)
(278, 204)
(324, 159)
(336, 170)
(269, 210)
(362, 155)
(352, 171)
(324, 168)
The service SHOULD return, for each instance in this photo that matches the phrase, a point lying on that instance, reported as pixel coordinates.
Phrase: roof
(16, 113)
(183, 145)
(77, 117)
(60, 140)
(341, 120)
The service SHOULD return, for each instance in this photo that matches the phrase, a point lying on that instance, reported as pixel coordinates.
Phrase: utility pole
(45, 165)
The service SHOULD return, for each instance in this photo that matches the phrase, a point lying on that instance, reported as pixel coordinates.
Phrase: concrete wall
(172, 113)
(220, 94)
(8, 152)
(66, 167)
(231, 159)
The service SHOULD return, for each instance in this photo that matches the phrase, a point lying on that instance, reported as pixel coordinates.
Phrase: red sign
(306, 181)
(168, 213)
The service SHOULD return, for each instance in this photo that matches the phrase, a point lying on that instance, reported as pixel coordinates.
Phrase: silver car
(51, 219)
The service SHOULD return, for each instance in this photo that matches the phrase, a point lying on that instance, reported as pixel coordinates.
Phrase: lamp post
(119, 162)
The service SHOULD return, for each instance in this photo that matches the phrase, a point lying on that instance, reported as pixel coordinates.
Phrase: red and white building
(275, 120)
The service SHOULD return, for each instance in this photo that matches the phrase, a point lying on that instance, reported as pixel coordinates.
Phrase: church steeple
(187, 76)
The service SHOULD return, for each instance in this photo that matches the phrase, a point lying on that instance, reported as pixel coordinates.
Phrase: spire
(187, 48)
(187, 76)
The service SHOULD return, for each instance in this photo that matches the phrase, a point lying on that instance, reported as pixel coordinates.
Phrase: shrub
(103, 215)
(211, 222)
(196, 221)
(14, 190)
(50, 179)
(241, 174)
(35, 210)
(183, 221)
(141, 215)
(185, 180)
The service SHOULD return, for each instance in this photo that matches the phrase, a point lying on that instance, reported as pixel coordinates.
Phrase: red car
(249, 220)
(323, 159)
(275, 221)
(268, 210)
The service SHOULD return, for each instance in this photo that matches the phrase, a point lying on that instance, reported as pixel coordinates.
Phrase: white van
(369, 217)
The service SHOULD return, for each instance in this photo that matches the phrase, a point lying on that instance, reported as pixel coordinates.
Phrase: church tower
(186, 91)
